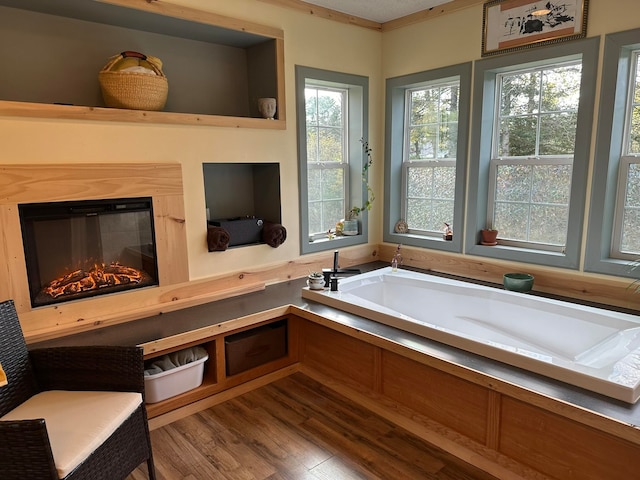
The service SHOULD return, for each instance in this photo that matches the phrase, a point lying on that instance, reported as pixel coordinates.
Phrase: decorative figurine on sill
(448, 232)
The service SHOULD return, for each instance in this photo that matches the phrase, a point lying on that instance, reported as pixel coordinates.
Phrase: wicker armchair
(52, 380)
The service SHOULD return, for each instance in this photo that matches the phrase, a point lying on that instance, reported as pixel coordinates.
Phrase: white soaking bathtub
(592, 348)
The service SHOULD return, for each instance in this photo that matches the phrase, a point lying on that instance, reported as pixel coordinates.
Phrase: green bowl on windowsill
(518, 282)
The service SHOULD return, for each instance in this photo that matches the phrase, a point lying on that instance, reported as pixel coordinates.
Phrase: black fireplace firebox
(78, 249)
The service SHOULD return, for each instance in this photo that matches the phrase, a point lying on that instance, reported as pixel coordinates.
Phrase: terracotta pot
(489, 237)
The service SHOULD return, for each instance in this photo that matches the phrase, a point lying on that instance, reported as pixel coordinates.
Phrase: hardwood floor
(296, 429)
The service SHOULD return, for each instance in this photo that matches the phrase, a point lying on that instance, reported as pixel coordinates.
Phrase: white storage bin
(175, 381)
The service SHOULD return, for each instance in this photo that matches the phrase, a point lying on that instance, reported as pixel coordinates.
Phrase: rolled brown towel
(217, 239)
(273, 234)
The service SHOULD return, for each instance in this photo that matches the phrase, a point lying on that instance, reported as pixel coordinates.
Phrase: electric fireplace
(78, 249)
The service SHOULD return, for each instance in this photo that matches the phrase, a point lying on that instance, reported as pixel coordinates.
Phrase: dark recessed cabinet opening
(79, 249)
(241, 197)
(255, 347)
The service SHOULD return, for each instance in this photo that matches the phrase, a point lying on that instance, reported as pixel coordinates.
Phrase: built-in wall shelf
(217, 67)
(237, 356)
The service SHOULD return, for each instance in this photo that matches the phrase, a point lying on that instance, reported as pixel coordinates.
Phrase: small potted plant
(350, 223)
(489, 236)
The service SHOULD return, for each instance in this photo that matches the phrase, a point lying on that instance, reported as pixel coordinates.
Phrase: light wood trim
(169, 226)
(205, 333)
(493, 420)
(220, 366)
(281, 107)
(435, 12)
(199, 16)
(73, 112)
(31, 183)
(60, 182)
(326, 13)
(13, 281)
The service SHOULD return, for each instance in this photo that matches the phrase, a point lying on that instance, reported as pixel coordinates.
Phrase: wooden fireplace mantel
(61, 182)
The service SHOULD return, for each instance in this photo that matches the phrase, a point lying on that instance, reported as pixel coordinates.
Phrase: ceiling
(380, 11)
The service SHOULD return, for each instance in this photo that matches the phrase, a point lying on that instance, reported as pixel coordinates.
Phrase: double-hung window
(429, 166)
(425, 164)
(530, 153)
(332, 123)
(626, 229)
(327, 156)
(613, 240)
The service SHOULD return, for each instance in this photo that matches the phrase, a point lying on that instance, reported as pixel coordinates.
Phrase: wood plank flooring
(296, 429)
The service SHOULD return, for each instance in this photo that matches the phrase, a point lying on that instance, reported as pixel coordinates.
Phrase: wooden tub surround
(508, 422)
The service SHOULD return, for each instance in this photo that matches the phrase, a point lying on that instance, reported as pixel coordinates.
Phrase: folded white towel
(174, 359)
(138, 69)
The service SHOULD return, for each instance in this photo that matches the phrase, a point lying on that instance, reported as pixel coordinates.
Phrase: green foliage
(355, 211)
(433, 128)
(537, 119)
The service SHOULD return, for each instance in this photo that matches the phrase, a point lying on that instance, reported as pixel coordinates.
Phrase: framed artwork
(510, 25)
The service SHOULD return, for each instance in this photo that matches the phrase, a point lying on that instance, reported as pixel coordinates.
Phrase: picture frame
(512, 25)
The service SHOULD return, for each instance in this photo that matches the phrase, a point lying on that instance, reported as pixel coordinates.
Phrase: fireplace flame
(100, 276)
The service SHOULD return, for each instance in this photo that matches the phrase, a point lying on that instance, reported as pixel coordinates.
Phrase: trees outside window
(533, 148)
(427, 123)
(430, 156)
(530, 152)
(327, 159)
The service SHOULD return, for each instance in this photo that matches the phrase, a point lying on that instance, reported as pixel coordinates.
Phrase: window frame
(358, 128)
(610, 138)
(344, 164)
(394, 183)
(484, 91)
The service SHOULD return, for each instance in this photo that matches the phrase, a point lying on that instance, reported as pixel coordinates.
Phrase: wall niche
(243, 198)
(217, 67)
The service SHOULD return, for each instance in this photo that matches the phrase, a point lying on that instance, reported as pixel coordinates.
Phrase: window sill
(324, 244)
(524, 255)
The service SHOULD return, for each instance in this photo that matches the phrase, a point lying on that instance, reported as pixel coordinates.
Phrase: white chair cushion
(77, 422)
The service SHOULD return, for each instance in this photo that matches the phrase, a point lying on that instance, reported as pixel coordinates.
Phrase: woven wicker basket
(137, 91)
